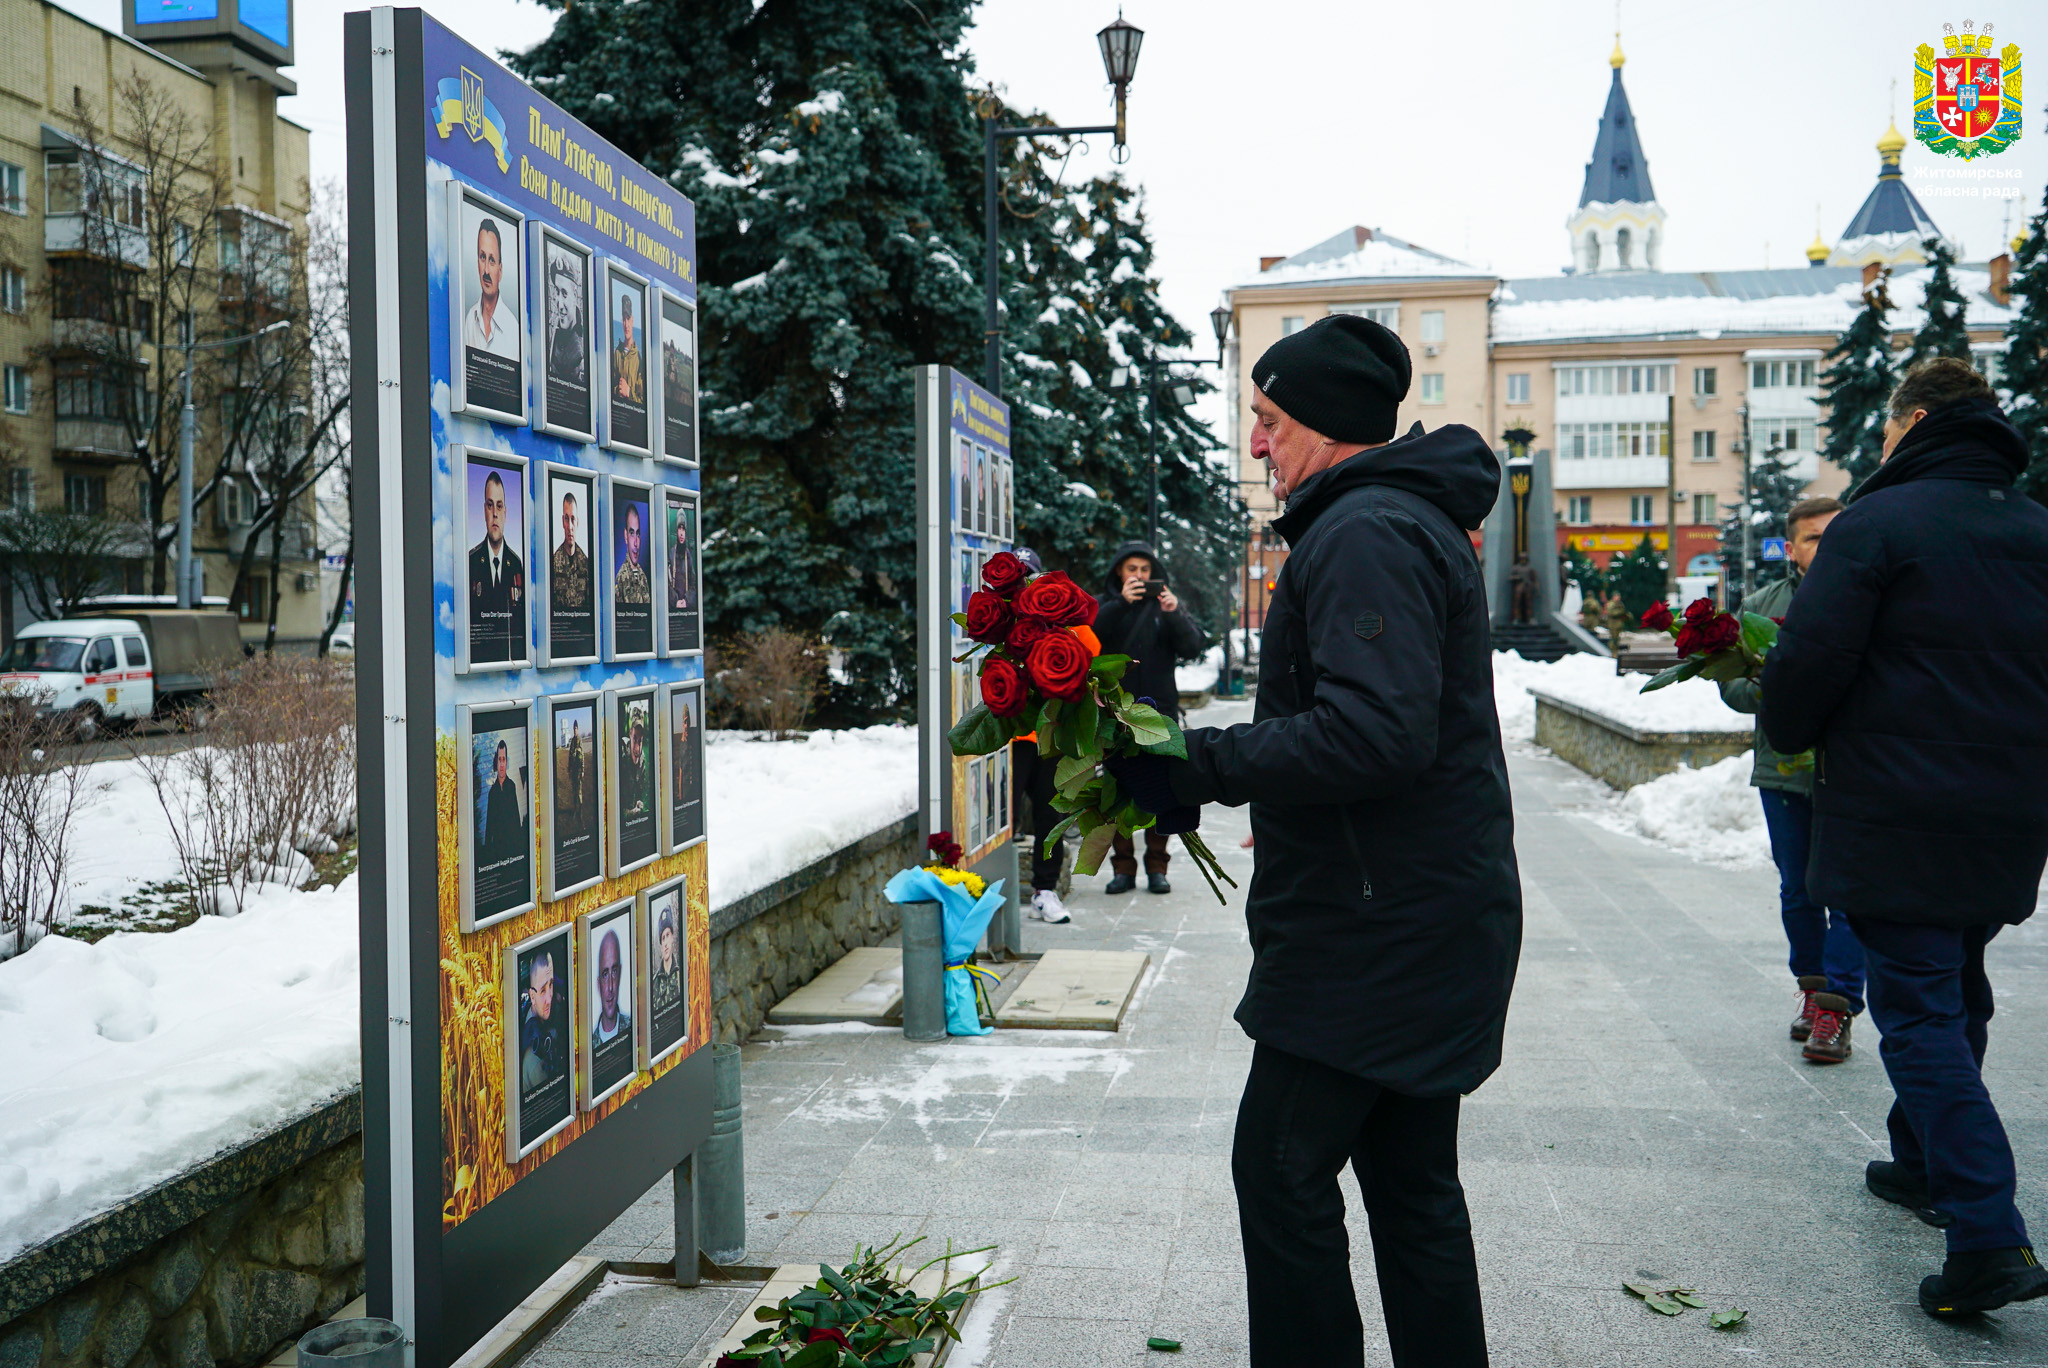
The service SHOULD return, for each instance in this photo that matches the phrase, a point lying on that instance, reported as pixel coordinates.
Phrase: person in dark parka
(1154, 630)
(1911, 660)
(1385, 906)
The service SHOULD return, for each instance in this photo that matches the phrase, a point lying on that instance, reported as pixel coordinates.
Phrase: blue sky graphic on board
(558, 172)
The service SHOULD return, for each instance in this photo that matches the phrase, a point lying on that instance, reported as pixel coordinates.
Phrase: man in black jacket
(1138, 615)
(1385, 906)
(1911, 659)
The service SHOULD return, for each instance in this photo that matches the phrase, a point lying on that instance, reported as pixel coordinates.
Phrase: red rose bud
(1699, 611)
(1003, 573)
(1002, 688)
(1688, 642)
(827, 1332)
(1055, 599)
(988, 616)
(1779, 621)
(1026, 634)
(1058, 664)
(1720, 633)
(1657, 617)
(938, 840)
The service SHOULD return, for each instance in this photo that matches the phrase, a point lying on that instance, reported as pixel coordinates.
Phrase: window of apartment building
(1786, 434)
(78, 182)
(105, 393)
(1706, 380)
(1518, 387)
(1703, 446)
(13, 290)
(1590, 441)
(236, 503)
(1432, 388)
(181, 242)
(1579, 509)
(1642, 509)
(1990, 363)
(257, 250)
(1574, 380)
(1703, 510)
(255, 603)
(12, 197)
(16, 395)
(1388, 316)
(1781, 374)
(84, 493)
(20, 489)
(1432, 325)
(1290, 324)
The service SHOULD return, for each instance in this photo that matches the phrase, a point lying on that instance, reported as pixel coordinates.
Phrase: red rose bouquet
(1043, 671)
(1717, 646)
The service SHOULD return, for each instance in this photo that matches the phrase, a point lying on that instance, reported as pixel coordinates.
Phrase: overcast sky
(1258, 129)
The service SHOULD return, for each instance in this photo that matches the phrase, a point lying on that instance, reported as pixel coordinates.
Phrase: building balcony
(1611, 472)
(92, 337)
(93, 439)
(92, 235)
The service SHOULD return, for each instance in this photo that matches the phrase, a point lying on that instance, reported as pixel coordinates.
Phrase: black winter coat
(1152, 638)
(1915, 656)
(1385, 907)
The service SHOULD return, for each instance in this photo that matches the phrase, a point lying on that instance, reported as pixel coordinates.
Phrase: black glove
(1144, 779)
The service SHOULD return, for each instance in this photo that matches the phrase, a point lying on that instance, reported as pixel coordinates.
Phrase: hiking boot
(1828, 1041)
(1120, 883)
(1047, 907)
(1888, 1180)
(1156, 883)
(1983, 1280)
(1809, 984)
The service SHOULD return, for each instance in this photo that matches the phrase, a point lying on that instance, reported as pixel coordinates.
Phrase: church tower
(1891, 225)
(1618, 226)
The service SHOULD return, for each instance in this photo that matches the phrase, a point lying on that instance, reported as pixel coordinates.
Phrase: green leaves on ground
(868, 1308)
(1664, 1306)
(1729, 1319)
(1163, 1345)
(1667, 1300)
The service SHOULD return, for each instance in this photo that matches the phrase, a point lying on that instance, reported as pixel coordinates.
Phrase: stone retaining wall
(1620, 754)
(226, 1263)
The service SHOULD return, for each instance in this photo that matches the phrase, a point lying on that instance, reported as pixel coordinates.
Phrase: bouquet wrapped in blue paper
(965, 906)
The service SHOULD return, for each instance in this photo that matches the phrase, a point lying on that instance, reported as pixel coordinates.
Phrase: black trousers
(1300, 1123)
(1034, 790)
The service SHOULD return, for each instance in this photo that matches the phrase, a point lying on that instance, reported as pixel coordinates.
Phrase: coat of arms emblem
(1966, 101)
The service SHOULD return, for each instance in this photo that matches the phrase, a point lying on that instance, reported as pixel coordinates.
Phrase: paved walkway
(1651, 1122)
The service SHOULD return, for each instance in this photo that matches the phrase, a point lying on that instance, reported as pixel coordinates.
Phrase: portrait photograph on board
(634, 818)
(604, 1032)
(625, 351)
(963, 485)
(568, 614)
(495, 860)
(683, 788)
(484, 291)
(573, 854)
(682, 608)
(678, 379)
(629, 554)
(493, 606)
(567, 364)
(664, 1004)
(540, 998)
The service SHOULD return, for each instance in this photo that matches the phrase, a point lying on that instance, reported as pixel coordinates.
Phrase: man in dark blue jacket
(1912, 660)
(1385, 908)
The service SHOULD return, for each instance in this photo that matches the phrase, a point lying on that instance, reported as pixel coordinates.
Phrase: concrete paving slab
(1075, 990)
(864, 984)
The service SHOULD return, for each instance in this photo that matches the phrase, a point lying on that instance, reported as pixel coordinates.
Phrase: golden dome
(2019, 240)
(1892, 141)
(1617, 59)
(1818, 249)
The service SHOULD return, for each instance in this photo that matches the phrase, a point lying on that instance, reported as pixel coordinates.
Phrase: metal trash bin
(363, 1342)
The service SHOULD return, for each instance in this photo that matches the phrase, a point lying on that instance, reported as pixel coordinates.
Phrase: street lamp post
(1119, 42)
(188, 592)
(1120, 377)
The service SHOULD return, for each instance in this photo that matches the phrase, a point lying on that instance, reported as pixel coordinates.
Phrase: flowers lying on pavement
(1043, 673)
(863, 1314)
(1718, 646)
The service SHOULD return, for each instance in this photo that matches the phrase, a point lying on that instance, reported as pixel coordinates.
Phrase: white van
(119, 670)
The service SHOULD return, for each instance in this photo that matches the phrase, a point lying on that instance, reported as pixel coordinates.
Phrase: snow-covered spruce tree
(835, 156)
(1773, 489)
(1856, 386)
(2026, 356)
(1638, 576)
(1943, 333)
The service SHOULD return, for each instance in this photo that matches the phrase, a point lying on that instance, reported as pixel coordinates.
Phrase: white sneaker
(1046, 906)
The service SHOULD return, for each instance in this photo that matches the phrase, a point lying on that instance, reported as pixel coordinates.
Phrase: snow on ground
(120, 838)
(1201, 675)
(776, 806)
(130, 1060)
(1590, 682)
(1710, 814)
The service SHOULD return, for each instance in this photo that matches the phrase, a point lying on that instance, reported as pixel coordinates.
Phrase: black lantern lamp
(1219, 319)
(1120, 43)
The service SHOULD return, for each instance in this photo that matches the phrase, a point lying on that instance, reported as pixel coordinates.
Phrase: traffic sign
(1774, 548)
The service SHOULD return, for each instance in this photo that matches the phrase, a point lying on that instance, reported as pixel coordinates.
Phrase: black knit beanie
(1343, 376)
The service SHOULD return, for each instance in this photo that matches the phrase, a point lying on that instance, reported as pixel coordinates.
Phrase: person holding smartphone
(1138, 615)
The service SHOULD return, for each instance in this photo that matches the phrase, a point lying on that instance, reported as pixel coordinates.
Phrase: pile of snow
(133, 1059)
(1199, 677)
(1590, 682)
(1710, 814)
(120, 839)
(776, 806)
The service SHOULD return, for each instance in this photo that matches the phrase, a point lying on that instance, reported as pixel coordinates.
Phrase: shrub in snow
(41, 785)
(769, 681)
